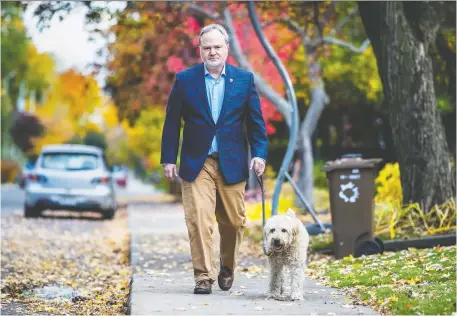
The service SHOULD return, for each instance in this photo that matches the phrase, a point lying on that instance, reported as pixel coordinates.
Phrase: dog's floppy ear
(296, 229)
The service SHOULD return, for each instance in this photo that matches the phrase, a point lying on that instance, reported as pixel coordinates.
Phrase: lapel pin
(231, 80)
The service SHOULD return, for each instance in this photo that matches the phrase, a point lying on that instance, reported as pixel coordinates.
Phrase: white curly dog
(286, 244)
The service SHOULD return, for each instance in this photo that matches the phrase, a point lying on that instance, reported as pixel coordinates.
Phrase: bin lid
(350, 163)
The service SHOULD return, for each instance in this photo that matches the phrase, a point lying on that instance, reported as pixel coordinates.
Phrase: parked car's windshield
(70, 161)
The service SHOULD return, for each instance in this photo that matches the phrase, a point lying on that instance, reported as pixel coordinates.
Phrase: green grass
(407, 282)
(321, 242)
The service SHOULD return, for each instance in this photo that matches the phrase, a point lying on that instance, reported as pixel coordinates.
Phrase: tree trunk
(318, 100)
(401, 33)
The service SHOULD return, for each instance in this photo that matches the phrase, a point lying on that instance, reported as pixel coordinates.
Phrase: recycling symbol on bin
(355, 192)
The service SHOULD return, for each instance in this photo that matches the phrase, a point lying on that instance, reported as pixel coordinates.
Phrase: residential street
(65, 262)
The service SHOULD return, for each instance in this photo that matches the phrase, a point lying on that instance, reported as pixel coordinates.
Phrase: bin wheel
(380, 243)
(368, 247)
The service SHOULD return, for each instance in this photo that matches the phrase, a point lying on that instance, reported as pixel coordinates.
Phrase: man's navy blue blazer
(241, 107)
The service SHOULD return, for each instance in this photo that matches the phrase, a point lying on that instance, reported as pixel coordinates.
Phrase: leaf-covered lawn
(408, 282)
(86, 256)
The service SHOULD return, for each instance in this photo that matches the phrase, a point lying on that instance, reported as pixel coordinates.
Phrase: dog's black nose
(276, 241)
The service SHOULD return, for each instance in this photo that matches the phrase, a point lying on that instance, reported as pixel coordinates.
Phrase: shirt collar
(207, 72)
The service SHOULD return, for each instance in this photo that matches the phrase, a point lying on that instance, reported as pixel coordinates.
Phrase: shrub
(25, 127)
(9, 171)
(394, 221)
(95, 139)
(388, 185)
(254, 210)
(320, 177)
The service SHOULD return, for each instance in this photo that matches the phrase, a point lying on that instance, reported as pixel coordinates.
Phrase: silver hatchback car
(70, 177)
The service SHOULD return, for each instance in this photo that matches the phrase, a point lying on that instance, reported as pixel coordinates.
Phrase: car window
(70, 161)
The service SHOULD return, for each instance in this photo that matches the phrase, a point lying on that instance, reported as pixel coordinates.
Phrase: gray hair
(211, 27)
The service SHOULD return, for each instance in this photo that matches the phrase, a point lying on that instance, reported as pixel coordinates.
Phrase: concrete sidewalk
(163, 280)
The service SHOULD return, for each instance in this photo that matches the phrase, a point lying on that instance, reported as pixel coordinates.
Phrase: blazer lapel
(200, 87)
(228, 90)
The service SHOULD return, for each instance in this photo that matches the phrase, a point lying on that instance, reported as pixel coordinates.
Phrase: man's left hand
(259, 166)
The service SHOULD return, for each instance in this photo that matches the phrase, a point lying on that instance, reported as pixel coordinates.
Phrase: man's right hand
(170, 171)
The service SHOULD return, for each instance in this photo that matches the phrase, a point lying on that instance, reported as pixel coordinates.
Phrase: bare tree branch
(291, 25)
(199, 10)
(343, 21)
(287, 21)
(295, 27)
(335, 41)
(263, 87)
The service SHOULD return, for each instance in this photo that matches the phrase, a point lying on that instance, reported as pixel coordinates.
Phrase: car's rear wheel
(108, 214)
(31, 212)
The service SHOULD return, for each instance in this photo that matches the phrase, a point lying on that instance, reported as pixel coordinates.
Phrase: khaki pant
(206, 196)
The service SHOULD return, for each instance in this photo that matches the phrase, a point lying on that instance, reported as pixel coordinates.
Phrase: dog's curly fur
(286, 244)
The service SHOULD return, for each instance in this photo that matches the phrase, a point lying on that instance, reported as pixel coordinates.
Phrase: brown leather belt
(215, 156)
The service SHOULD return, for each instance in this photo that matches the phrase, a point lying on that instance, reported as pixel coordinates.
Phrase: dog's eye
(284, 230)
(272, 230)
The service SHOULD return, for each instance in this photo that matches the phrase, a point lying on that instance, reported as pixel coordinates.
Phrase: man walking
(216, 101)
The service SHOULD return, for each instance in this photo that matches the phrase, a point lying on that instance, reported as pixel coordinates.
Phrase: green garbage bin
(351, 188)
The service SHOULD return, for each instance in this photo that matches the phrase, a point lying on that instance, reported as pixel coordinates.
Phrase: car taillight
(103, 180)
(37, 178)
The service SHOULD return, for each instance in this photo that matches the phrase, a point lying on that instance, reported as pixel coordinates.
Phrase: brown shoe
(225, 278)
(203, 287)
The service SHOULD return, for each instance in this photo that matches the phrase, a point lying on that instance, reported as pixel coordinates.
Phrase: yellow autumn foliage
(41, 69)
(71, 99)
(392, 220)
(254, 210)
(110, 115)
(79, 92)
(144, 138)
(58, 130)
(388, 184)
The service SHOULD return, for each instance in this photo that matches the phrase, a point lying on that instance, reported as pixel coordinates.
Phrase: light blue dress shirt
(215, 93)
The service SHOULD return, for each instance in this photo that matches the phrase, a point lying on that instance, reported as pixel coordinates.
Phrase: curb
(423, 242)
(404, 244)
(128, 308)
(10, 186)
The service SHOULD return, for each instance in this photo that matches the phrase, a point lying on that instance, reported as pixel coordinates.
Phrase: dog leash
(262, 189)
